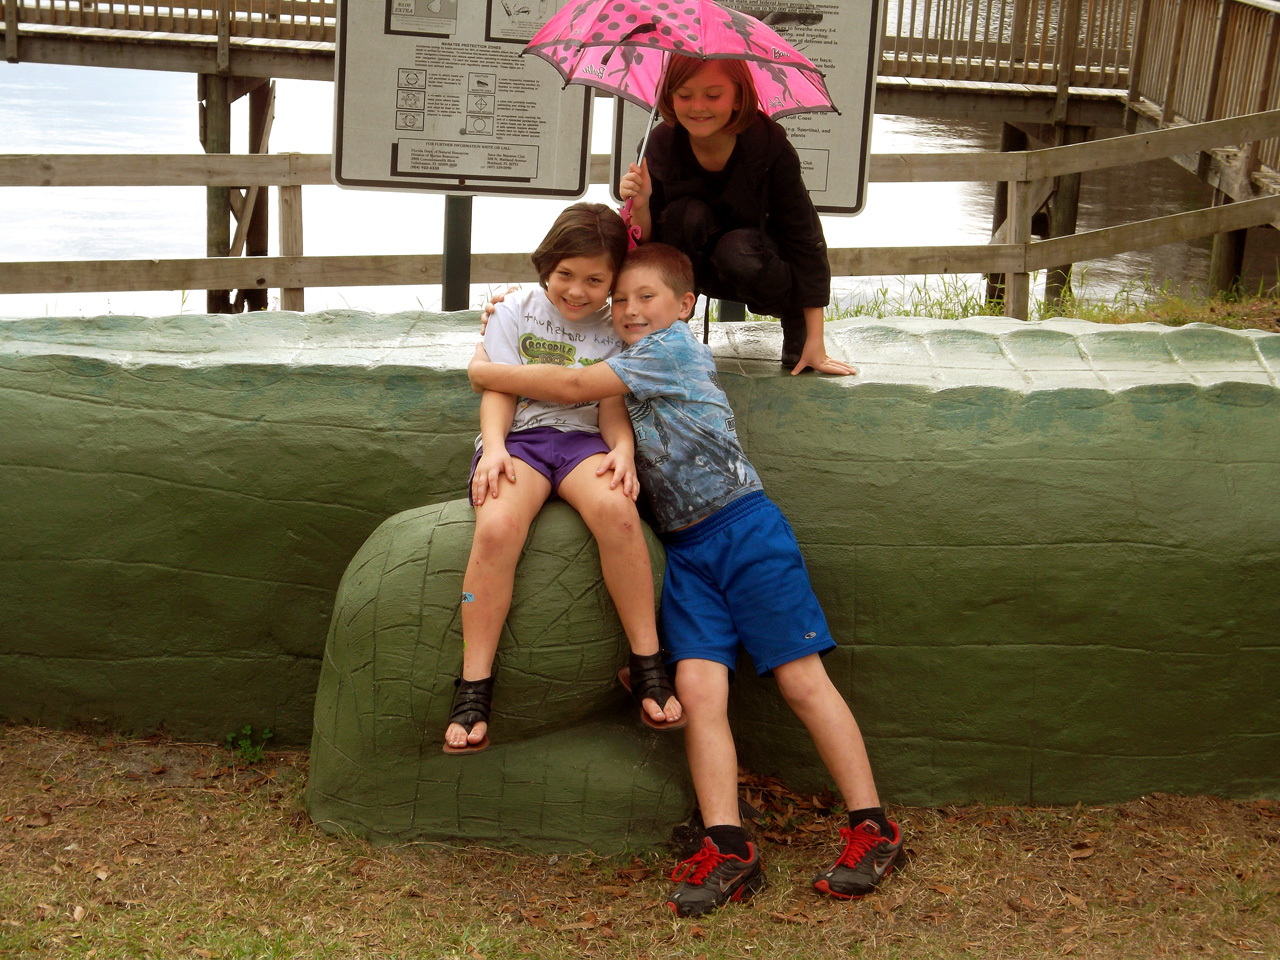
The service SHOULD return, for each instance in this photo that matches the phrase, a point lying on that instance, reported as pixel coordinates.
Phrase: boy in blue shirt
(734, 578)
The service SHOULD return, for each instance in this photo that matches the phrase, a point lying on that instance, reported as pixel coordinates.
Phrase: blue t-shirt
(687, 452)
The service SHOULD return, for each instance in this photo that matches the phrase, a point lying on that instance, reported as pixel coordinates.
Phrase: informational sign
(434, 95)
(842, 39)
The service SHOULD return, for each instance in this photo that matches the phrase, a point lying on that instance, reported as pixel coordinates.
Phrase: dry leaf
(39, 818)
(78, 914)
(201, 952)
(101, 872)
(1083, 853)
(944, 888)
(1076, 902)
(615, 891)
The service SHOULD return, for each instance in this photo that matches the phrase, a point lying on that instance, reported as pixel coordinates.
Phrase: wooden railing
(1017, 255)
(241, 19)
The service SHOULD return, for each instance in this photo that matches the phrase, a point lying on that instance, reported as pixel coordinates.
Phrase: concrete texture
(1047, 549)
(570, 766)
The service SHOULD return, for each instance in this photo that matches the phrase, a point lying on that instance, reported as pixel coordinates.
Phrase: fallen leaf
(38, 818)
(1084, 853)
(78, 914)
(1076, 902)
(161, 768)
(201, 952)
(101, 872)
(615, 891)
(944, 888)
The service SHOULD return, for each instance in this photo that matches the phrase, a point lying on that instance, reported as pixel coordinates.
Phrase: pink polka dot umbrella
(622, 47)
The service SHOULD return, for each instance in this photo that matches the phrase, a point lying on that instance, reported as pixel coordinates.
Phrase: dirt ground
(104, 843)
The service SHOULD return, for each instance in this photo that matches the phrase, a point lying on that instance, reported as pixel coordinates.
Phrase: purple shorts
(553, 453)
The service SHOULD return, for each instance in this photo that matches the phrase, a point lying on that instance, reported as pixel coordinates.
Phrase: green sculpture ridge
(1047, 549)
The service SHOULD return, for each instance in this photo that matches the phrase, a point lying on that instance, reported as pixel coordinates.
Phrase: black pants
(743, 264)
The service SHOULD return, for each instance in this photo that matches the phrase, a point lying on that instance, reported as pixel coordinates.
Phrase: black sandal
(471, 706)
(646, 679)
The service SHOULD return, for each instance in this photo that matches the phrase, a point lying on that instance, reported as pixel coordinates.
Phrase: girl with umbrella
(720, 181)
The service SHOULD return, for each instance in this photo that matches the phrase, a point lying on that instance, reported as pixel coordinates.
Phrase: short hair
(671, 265)
(682, 67)
(582, 230)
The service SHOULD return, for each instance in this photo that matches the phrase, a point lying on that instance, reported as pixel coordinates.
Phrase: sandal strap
(472, 703)
(649, 679)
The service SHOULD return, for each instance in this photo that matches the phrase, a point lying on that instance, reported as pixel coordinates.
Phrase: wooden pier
(1194, 81)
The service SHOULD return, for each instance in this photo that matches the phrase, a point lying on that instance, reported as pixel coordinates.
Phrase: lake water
(58, 109)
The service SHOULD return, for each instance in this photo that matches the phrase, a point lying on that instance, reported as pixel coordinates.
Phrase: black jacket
(761, 187)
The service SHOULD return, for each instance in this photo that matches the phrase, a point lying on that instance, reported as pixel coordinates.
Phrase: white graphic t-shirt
(527, 328)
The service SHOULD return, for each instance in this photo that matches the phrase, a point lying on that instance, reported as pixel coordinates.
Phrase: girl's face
(579, 286)
(706, 102)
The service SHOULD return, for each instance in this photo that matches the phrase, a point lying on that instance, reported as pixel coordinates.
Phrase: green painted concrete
(570, 766)
(1048, 550)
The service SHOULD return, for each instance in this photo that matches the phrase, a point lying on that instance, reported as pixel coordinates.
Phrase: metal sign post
(843, 41)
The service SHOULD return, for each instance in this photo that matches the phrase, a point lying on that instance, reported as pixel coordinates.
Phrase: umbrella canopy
(622, 47)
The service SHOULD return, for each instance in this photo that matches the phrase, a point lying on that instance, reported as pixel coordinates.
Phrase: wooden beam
(164, 170)
(892, 261)
(11, 30)
(179, 54)
(1153, 233)
(1017, 291)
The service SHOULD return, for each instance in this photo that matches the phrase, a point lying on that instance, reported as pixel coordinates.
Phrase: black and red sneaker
(710, 879)
(868, 857)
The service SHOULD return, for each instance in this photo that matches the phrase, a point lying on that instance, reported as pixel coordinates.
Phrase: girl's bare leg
(624, 561)
(502, 524)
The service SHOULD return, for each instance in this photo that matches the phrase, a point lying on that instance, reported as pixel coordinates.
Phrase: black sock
(876, 816)
(730, 840)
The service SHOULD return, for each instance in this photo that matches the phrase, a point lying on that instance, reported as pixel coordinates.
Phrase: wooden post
(261, 103)
(215, 136)
(1017, 294)
(1175, 61)
(291, 298)
(11, 30)
(1063, 212)
(1226, 261)
(1011, 139)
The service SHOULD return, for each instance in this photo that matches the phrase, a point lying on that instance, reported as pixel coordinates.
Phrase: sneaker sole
(823, 887)
(741, 895)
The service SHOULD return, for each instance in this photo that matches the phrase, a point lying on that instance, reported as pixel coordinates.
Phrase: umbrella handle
(633, 231)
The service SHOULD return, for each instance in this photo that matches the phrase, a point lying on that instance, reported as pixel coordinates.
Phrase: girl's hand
(815, 358)
(493, 465)
(624, 473)
(636, 183)
(487, 310)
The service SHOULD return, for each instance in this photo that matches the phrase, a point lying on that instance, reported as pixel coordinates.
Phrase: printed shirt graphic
(687, 451)
(527, 328)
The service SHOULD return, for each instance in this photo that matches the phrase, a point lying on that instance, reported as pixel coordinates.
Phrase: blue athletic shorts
(553, 453)
(737, 579)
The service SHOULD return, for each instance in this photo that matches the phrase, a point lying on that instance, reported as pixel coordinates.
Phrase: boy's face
(644, 304)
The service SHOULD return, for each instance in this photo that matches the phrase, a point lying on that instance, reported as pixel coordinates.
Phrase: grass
(959, 297)
(115, 848)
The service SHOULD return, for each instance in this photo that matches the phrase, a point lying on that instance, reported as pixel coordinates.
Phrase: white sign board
(434, 95)
(843, 40)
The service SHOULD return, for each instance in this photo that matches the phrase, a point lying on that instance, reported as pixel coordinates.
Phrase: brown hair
(682, 67)
(671, 265)
(581, 230)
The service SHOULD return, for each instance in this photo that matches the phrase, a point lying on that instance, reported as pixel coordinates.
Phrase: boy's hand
(624, 473)
(487, 310)
(493, 465)
(635, 183)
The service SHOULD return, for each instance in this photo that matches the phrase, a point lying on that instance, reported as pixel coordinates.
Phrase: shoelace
(858, 844)
(696, 868)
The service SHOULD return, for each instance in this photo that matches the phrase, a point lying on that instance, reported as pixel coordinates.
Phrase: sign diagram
(434, 95)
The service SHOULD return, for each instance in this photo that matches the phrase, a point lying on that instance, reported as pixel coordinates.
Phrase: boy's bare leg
(703, 686)
(502, 524)
(816, 701)
(624, 561)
